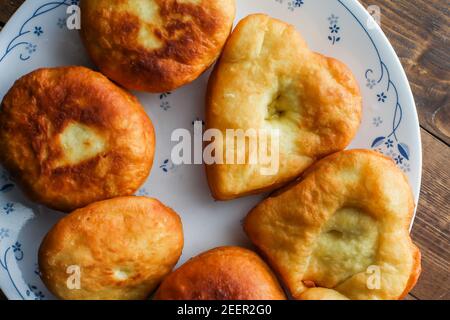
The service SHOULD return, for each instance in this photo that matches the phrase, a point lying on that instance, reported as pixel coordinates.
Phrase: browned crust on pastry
(123, 248)
(320, 98)
(226, 273)
(415, 273)
(45, 104)
(286, 226)
(187, 38)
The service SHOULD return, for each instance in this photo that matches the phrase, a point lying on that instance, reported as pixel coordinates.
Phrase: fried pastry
(155, 45)
(342, 232)
(120, 249)
(71, 137)
(227, 273)
(267, 79)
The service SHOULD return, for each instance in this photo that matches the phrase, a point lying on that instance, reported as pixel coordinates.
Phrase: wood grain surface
(419, 32)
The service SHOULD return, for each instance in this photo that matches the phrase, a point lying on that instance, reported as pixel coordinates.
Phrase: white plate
(36, 37)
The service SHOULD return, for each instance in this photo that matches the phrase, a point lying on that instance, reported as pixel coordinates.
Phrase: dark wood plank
(7, 8)
(419, 32)
(431, 231)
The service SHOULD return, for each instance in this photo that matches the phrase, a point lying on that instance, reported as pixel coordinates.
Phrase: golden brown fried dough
(155, 45)
(71, 137)
(342, 231)
(268, 79)
(123, 248)
(227, 273)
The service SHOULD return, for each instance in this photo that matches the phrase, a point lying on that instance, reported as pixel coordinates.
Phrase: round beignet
(226, 273)
(155, 45)
(122, 249)
(268, 80)
(71, 137)
(342, 231)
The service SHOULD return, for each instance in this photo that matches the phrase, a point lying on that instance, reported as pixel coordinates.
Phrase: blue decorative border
(6, 185)
(7, 209)
(293, 4)
(32, 291)
(4, 264)
(26, 29)
(334, 36)
(389, 143)
(386, 143)
(165, 104)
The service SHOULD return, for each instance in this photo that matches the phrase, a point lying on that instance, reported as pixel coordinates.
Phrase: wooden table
(419, 32)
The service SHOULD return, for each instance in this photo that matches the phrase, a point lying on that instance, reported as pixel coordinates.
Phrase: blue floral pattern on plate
(22, 39)
(28, 41)
(32, 293)
(165, 104)
(292, 4)
(403, 154)
(334, 29)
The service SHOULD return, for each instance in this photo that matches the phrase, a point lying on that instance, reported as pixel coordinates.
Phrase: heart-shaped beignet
(268, 80)
(342, 231)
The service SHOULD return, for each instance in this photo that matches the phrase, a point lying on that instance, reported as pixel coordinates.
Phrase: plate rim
(405, 81)
(355, 8)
